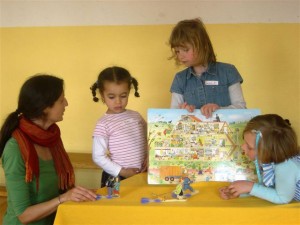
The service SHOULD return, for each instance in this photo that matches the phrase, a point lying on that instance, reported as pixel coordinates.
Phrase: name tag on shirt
(211, 82)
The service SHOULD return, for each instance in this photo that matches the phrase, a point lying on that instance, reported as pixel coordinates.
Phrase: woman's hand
(208, 109)
(78, 194)
(43, 209)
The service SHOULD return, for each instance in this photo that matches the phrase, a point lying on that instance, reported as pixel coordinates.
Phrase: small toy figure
(186, 184)
(110, 185)
(166, 197)
(178, 195)
(180, 190)
(113, 186)
(116, 187)
(217, 118)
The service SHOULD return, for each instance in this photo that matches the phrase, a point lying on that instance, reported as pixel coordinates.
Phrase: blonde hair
(278, 141)
(192, 32)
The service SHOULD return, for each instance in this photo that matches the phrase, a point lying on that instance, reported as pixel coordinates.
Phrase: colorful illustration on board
(183, 144)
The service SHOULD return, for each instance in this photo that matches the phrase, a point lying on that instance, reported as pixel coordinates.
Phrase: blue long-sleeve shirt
(287, 184)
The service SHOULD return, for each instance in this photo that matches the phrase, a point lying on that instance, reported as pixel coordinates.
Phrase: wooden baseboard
(82, 161)
(3, 192)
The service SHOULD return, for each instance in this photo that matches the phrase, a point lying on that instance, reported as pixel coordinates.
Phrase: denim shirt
(210, 87)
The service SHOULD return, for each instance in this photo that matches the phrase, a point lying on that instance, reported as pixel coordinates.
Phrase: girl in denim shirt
(205, 84)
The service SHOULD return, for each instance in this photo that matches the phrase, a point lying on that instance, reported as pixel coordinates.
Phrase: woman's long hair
(37, 93)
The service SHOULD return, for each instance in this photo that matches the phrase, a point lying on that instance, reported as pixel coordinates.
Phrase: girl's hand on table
(224, 193)
(240, 187)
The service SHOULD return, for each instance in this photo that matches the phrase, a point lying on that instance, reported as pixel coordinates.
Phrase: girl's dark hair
(117, 75)
(37, 93)
(278, 141)
(192, 32)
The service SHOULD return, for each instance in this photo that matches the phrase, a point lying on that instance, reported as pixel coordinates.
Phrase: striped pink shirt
(126, 135)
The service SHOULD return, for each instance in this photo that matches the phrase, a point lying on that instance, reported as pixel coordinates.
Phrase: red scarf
(28, 134)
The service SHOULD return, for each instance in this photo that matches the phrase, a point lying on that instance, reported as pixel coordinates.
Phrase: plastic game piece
(106, 197)
(113, 186)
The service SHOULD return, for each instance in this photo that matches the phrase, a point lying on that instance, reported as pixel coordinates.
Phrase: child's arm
(238, 188)
(189, 108)
(100, 157)
(236, 97)
(224, 193)
(129, 172)
(176, 100)
(208, 109)
(286, 177)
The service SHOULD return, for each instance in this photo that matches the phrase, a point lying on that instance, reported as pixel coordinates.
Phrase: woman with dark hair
(39, 175)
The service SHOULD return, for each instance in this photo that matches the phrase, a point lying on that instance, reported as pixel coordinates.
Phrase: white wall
(141, 12)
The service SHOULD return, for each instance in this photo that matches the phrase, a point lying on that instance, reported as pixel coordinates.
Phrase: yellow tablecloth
(204, 208)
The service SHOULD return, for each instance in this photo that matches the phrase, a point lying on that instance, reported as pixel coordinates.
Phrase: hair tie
(95, 99)
(256, 161)
(288, 122)
(95, 85)
(18, 112)
(136, 94)
(258, 137)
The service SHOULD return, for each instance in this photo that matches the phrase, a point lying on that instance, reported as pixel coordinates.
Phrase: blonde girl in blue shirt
(205, 84)
(271, 142)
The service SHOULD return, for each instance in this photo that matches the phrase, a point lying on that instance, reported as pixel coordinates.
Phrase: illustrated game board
(187, 144)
